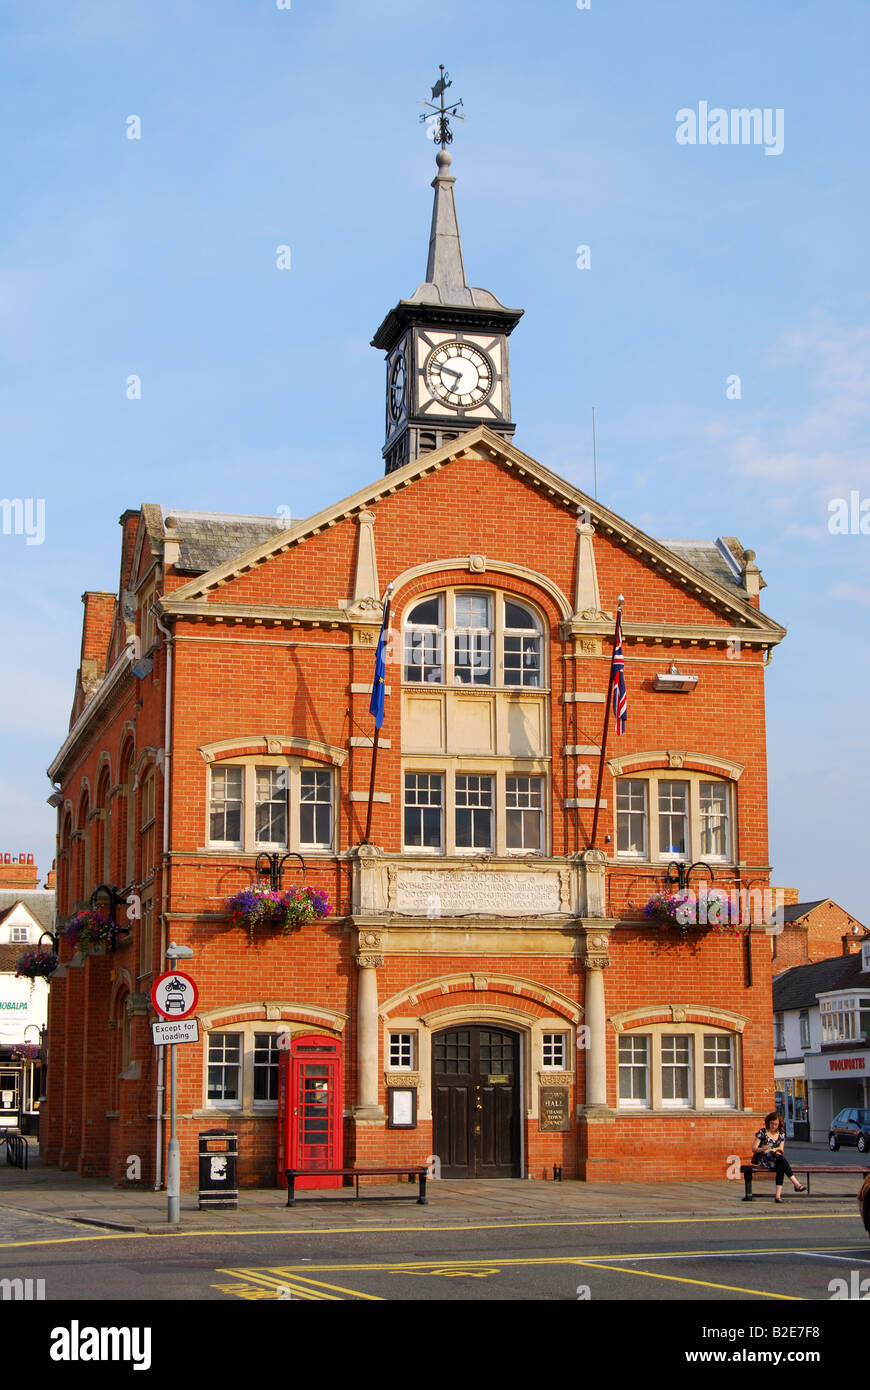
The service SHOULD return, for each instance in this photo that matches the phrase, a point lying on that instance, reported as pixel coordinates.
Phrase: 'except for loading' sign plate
(185, 1030)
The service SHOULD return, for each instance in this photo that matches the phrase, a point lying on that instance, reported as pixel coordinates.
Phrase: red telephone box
(310, 1109)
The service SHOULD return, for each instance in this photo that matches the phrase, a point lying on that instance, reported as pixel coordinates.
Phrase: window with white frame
(242, 1069)
(554, 1052)
(631, 818)
(713, 798)
(474, 812)
(666, 817)
(225, 805)
(674, 819)
(472, 640)
(804, 1020)
(424, 641)
(718, 1070)
(225, 1070)
(522, 646)
(524, 812)
(424, 799)
(779, 1032)
(634, 1063)
(270, 807)
(271, 803)
(502, 811)
(473, 637)
(315, 807)
(265, 1068)
(676, 1069)
(658, 1071)
(402, 1051)
(845, 1019)
(18, 934)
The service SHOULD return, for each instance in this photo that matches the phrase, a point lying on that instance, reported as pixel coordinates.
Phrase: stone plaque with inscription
(554, 1109)
(437, 893)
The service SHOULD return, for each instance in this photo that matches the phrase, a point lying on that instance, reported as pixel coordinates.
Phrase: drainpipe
(167, 741)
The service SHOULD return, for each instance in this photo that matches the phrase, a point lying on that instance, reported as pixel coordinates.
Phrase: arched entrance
(476, 1102)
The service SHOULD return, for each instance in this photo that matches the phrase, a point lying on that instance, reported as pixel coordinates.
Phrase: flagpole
(603, 753)
(377, 737)
(372, 786)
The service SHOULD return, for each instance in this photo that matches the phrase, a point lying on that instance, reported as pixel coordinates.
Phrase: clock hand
(451, 371)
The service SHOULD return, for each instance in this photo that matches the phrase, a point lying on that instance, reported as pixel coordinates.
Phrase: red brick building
(814, 931)
(487, 978)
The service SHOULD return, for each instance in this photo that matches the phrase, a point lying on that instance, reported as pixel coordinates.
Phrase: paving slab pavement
(48, 1192)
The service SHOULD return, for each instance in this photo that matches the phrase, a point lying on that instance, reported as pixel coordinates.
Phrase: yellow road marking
(311, 1232)
(272, 1279)
(702, 1283)
(469, 1266)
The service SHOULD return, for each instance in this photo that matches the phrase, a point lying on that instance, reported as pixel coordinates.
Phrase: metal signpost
(174, 996)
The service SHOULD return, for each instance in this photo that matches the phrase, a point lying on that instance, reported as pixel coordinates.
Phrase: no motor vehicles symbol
(174, 995)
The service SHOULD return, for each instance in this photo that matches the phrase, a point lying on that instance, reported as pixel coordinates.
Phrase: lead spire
(445, 267)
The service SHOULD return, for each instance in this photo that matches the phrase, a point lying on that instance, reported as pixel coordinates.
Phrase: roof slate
(797, 988)
(209, 539)
(40, 901)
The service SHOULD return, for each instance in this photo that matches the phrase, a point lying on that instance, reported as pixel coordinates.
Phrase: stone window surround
(246, 1105)
(249, 844)
(655, 1104)
(652, 777)
(497, 768)
(498, 597)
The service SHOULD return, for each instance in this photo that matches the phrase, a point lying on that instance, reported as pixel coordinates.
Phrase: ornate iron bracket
(682, 875)
(274, 866)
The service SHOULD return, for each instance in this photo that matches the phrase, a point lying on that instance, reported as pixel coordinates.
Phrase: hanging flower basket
(288, 908)
(27, 1052)
(36, 965)
(90, 934)
(690, 911)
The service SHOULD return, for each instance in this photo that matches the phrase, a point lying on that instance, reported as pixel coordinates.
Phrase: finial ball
(443, 159)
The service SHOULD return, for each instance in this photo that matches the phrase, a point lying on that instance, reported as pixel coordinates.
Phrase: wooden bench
(749, 1171)
(410, 1171)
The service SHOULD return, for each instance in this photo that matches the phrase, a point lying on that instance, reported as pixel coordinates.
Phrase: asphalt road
(760, 1256)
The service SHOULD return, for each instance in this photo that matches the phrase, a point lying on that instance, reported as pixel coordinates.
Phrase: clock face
(398, 377)
(459, 374)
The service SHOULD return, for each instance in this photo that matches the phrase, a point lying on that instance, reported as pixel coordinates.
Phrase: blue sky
(264, 126)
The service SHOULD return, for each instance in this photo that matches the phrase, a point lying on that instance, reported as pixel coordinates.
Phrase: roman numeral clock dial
(459, 374)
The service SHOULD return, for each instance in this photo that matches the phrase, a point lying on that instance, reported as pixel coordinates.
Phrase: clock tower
(446, 347)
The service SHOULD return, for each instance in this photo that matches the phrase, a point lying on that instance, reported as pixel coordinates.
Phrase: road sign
(174, 995)
(185, 1030)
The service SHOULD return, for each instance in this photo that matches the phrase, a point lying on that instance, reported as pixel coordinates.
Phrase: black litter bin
(218, 1164)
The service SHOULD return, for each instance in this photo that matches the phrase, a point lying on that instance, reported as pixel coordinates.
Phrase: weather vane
(443, 113)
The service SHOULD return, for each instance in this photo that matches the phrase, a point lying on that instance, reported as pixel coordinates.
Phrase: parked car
(864, 1203)
(851, 1126)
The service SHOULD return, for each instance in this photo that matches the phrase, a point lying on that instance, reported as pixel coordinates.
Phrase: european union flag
(376, 704)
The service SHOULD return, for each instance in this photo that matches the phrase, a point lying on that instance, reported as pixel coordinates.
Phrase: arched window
(64, 877)
(81, 850)
(473, 637)
(101, 804)
(123, 824)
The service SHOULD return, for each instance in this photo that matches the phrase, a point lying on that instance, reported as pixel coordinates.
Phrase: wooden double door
(476, 1102)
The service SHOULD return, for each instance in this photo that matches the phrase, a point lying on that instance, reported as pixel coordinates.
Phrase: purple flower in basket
(285, 908)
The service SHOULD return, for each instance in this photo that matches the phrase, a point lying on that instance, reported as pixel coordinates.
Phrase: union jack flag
(620, 699)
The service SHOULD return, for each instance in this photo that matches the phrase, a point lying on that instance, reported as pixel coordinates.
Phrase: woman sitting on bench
(767, 1152)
